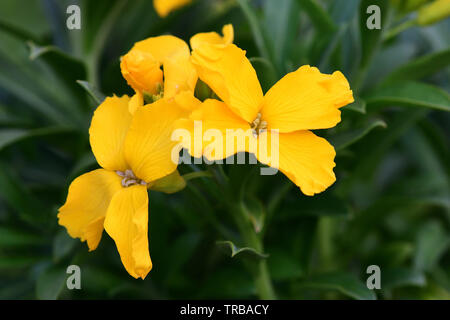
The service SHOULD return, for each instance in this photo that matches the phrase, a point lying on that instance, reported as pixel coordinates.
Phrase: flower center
(258, 125)
(129, 179)
(150, 98)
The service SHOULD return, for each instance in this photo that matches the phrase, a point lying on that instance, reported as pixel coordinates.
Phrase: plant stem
(260, 271)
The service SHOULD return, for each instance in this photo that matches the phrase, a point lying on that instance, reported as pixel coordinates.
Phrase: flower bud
(142, 71)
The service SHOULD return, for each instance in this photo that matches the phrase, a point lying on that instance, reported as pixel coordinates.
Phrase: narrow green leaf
(318, 15)
(50, 283)
(255, 27)
(409, 94)
(12, 135)
(359, 106)
(62, 245)
(345, 283)
(431, 243)
(93, 91)
(245, 251)
(392, 278)
(345, 139)
(12, 237)
(421, 67)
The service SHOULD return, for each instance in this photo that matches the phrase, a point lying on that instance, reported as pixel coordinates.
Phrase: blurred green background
(390, 205)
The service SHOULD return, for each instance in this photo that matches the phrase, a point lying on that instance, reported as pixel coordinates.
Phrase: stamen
(258, 125)
(129, 179)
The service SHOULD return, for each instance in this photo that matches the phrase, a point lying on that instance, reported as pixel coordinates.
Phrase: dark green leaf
(50, 283)
(392, 278)
(93, 91)
(343, 140)
(245, 251)
(432, 242)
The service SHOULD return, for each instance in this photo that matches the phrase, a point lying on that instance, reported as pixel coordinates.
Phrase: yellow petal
(107, 133)
(213, 37)
(306, 159)
(306, 99)
(127, 223)
(86, 205)
(187, 101)
(142, 71)
(164, 7)
(179, 75)
(208, 126)
(231, 76)
(163, 47)
(135, 102)
(148, 145)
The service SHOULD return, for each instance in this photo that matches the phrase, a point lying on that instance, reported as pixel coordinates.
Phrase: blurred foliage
(390, 205)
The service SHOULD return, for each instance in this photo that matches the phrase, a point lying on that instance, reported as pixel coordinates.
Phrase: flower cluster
(131, 137)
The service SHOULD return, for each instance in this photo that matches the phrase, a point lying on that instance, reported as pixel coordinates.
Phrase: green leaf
(255, 211)
(245, 251)
(318, 15)
(359, 106)
(392, 278)
(12, 135)
(345, 139)
(431, 243)
(409, 94)
(255, 27)
(284, 266)
(280, 22)
(421, 67)
(62, 245)
(93, 91)
(324, 204)
(17, 262)
(345, 283)
(169, 184)
(50, 283)
(12, 237)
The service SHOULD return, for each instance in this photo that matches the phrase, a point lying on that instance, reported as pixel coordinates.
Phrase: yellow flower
(301, 101)
(141, 67)
(135, 153)
(164, 7)
(213, 37)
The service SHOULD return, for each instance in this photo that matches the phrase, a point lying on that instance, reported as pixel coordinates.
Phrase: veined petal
(187, 101)
(86, 205)
(127, 223)
(148, 145)
(107, 133)
(135, 102)
(306, 159)
(213, 37)
(306, 99)
(162, 47)
(164, 7)
(179, 75)
(231, 76)
(209, 127)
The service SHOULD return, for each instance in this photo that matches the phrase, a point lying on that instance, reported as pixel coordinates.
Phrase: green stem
(399, 29)
(259, 269)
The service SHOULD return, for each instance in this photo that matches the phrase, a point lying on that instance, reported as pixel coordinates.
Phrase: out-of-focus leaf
(318, 15)
(17, 262)
(17, 196)
(245, 251)
(280, 21)
(359, 106)
(324, 204)
(409, 94)
(93, 91)
(11, 237)
(343, 140)
(255, 27)
(345, 283)
(421, 67)
(62, 245)
(432, 242)
(255, 212)
(16, 31)
(392, 278)
(11, 135)
(371, 38)
(283, 266)
(267, 74)
(50, 283)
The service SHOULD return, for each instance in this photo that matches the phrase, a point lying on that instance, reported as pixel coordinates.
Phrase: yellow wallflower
(213, 37)
(135, 154)
(141, 67)
(164, 7)
(301, 101)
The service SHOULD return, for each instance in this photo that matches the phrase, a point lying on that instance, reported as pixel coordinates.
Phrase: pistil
(129, 179)
(258, 125)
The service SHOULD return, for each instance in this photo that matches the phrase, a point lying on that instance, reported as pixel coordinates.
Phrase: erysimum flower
(164, 7)
(135, 153)
(301, 101)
